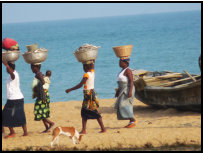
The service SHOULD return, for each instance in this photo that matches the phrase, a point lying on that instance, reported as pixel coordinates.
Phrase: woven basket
(123, 51)
(86, 55)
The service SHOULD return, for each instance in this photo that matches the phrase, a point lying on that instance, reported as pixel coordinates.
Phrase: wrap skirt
(90, 106)
(13, 114)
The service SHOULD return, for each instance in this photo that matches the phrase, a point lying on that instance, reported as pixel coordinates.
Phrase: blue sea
(166, 41)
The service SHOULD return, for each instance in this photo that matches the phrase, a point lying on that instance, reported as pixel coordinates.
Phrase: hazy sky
(28, 12)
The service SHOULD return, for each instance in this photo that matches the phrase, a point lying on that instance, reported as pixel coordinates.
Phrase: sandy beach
(154, 126)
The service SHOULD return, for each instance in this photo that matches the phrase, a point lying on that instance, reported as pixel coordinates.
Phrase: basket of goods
(86, 53)
(123, 51)
(10, 56)
(11, 51)
(34, 54)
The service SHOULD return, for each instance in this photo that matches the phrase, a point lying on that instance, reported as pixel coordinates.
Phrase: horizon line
(81, 18)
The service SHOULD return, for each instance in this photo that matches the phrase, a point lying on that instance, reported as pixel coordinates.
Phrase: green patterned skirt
(42, 109)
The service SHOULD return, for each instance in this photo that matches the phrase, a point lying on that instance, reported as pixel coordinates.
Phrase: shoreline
(155, 126)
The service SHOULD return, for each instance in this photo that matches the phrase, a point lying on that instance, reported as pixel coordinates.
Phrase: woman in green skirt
(41, 108)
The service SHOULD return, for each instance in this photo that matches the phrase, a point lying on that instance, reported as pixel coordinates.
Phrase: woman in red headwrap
(13, 114)
(10, 44)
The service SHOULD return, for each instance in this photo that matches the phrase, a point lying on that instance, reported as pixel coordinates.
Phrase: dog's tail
(80, 137)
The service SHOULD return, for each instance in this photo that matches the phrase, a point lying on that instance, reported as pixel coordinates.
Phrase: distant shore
(155, 127)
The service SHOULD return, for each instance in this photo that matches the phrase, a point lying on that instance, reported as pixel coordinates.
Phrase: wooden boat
(167, 89)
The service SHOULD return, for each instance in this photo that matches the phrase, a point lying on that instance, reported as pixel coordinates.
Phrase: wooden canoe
(167, 89)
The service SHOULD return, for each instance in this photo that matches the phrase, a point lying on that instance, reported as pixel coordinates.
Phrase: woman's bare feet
(103, 131)
(25, 134)
(50, 127)
(4, 134)
(83, 132)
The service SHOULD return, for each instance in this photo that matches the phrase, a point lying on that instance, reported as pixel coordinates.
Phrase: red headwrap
(7, 43)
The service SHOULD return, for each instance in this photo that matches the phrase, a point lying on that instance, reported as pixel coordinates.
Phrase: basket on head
(10, 56)
(123, 51)
(35, 57)
(86, 53)
(34, 54)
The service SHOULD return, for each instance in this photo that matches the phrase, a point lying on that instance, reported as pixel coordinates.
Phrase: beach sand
(154, 126)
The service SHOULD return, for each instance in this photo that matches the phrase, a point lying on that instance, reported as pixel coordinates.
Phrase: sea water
(166, 41)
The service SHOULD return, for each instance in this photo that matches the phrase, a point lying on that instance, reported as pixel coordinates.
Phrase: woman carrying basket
(126, 90)
(125, 94)
(41, 108)
(13, 114)
(90, 105)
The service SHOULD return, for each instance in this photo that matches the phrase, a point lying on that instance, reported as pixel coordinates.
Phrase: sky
(31, 12)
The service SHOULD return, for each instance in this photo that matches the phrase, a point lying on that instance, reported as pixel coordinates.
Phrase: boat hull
(185, 97)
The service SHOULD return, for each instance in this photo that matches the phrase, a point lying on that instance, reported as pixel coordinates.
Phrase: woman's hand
(129, 75)
(68, 90)
(77, 86)
(4, 62)
(129, 94)
(40, 77)
(117, 93)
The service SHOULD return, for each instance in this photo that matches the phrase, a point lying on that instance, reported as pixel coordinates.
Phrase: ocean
(164, 41)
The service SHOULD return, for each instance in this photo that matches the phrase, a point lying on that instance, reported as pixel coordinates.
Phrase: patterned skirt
(13, 114)
(90, 105)
(42, 109)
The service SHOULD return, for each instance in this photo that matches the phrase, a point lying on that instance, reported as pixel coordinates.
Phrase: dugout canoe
(170, 90)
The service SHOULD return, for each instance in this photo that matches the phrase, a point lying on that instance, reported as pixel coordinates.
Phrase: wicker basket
(123, 51)
(86, 55)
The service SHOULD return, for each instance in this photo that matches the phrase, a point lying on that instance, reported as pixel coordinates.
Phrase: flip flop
(130, 125)
(10, 136)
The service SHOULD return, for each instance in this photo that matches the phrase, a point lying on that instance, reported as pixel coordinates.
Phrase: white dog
(68, 131)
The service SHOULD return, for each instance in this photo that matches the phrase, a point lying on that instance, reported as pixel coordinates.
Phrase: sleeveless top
(13, 91)
(122, 77)
(89, 84)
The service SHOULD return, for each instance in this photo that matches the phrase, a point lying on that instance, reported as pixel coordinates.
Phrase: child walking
(90, 105)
